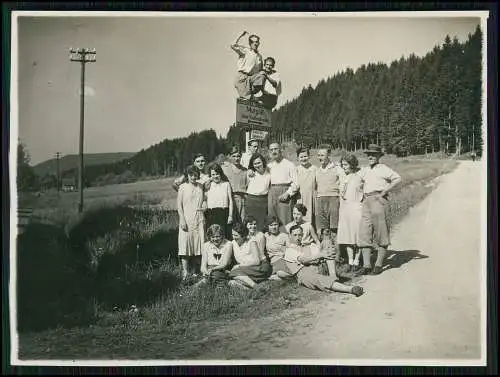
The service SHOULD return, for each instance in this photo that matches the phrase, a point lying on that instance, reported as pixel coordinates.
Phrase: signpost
(254, 118)
(258, 134)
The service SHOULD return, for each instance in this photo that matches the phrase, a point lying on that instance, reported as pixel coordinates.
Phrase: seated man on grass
(302, 265)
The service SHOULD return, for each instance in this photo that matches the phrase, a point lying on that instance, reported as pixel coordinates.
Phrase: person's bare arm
(180, 211)
(230, 196)
(236, 47)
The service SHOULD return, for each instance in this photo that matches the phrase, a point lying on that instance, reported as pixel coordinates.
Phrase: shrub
(53, 283)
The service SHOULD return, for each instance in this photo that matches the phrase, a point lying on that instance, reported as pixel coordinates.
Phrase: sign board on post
(258, 134)
(252, 115)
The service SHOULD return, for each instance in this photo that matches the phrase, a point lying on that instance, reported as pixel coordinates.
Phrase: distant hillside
(71, 162)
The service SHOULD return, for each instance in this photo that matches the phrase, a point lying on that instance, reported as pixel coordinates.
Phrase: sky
(165, 77)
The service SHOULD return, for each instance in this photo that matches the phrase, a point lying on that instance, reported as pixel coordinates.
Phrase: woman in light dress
(306, 181)
(351, 196)
(248, 249)
(190, 207)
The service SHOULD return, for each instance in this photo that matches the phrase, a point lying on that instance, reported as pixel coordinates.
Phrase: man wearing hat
(378, 181)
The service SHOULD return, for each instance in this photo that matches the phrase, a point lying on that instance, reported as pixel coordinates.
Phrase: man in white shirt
(272, 86)
(283, 185)
(302, 264)
(253, 147)
(378, 180)
(250, 77)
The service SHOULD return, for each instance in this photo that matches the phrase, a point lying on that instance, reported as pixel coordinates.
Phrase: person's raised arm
(236, 46)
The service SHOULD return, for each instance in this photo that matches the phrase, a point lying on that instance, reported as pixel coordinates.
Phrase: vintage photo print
(214, 188)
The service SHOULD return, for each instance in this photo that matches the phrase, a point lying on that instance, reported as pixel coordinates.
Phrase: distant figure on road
(250, 77)
(378, 180)
(473, 155)
(272, 86)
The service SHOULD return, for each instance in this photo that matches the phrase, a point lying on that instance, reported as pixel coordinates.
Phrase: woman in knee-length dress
(190, 206)
(351, 196)
(306, 180)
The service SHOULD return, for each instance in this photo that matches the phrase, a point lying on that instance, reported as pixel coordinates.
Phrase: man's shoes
(363, 271)
(357, 290)
(377, 270)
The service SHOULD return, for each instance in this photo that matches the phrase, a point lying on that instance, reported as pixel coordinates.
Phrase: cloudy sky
(164, 77)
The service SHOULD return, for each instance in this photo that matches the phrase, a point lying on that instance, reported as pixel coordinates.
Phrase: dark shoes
(357, 290)
(363, 271)
(377, 270)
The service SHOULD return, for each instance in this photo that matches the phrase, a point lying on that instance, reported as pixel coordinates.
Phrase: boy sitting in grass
(302, 265)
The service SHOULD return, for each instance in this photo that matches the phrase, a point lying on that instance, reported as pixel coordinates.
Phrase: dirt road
(425, 305)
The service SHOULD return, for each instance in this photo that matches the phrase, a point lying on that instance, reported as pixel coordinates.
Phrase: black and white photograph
(221, 188)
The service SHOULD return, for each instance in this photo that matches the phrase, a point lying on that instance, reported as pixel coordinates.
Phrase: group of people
(249, 220)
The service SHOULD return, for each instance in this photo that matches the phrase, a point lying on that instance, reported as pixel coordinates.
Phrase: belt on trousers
(281, 184)
(239, 193)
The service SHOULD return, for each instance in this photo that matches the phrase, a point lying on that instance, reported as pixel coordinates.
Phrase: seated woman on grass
(216, 256)
(276, 242)
(252, 265)
(303, 266)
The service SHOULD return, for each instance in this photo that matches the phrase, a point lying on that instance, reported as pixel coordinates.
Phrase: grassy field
(107, 284)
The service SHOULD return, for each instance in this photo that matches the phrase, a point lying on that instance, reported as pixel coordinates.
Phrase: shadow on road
(396, 258)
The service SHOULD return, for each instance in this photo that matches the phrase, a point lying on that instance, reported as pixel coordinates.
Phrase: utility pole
(83, 56)
(58, 182)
